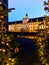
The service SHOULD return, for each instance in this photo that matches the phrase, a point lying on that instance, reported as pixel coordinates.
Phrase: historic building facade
(26, 25)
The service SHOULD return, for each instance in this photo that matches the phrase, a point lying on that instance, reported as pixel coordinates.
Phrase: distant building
(26, 25)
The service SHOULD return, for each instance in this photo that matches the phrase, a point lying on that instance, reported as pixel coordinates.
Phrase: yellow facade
(24, 27)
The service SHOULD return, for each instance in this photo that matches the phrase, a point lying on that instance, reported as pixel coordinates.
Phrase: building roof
(30, 20)
(35, 19)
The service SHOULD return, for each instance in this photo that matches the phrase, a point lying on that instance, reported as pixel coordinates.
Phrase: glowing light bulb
(7, 64)
(47, 64)
(3, 42)
(12, 60)
(2, 16)
(3, 50)
(9, 58)
(7, 44)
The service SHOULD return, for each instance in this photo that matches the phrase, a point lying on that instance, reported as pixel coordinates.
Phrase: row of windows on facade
(30, 27)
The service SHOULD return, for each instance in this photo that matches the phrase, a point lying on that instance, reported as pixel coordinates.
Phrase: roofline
(30, 20)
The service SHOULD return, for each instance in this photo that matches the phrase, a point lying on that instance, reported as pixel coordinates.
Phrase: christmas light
(3, 50)
(7, 41)
(42, 41)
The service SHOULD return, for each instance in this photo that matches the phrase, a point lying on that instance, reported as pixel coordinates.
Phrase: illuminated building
(26, 25)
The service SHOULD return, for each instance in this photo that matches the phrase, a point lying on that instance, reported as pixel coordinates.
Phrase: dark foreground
(28, 52)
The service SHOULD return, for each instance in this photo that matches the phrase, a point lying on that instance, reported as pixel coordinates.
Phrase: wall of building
(27, 27)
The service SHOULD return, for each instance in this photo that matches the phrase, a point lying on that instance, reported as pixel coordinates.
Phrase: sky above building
(34, 8)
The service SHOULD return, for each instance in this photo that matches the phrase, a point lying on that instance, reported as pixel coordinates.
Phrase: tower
(25, 20)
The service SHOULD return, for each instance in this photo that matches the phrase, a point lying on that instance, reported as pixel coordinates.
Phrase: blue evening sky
(34, 8)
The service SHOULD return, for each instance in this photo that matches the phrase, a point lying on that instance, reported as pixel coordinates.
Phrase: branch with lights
(43, 38)
(6, 43)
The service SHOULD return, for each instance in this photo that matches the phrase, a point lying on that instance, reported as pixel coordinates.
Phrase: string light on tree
(43, 38)
(7, 41)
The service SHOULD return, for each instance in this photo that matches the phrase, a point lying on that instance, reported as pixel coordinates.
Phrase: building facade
(26, 25)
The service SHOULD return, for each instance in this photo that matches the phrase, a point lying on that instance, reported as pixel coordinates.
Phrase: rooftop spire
(26, 14)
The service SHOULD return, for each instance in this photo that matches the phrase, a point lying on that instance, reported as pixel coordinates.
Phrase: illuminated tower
(25, 20)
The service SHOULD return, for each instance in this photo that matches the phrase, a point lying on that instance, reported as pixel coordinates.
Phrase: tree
(7, 42)
(43, 39)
